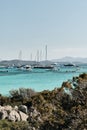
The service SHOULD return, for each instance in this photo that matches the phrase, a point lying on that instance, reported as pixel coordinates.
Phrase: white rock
(8, 108)
(1, 108)
(3, 114)
(16, 108)
(23, 116)
(14, 116)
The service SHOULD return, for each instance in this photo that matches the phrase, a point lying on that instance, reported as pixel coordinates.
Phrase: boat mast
(37, 55)
(46, 52)
(40, 55)
(31, 57)
(20, 55)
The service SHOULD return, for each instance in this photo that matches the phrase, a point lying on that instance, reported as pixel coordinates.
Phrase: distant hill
(23, 62)
(71, 59)
(16, 62)
(66, 59)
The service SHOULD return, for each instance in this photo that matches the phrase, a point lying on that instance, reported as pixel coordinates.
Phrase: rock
(4, 111)
(16, 108)
(3, 114)
(14, 116)
(23, 108)
(23, 116)
(1, 108)
(8, 108)
(33, 128)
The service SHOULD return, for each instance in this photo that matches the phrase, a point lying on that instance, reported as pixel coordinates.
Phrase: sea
(37, 79)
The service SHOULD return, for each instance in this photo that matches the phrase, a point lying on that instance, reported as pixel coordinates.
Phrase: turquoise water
(36, 79)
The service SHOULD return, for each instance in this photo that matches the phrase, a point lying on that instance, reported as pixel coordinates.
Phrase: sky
(29, 25)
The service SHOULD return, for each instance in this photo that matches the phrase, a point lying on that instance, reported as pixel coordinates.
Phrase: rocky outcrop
(20, 113)
(14, 114)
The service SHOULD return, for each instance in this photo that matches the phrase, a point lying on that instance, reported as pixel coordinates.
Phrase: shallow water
(36, 79)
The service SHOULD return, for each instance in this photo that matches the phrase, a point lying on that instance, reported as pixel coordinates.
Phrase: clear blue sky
(29, 25)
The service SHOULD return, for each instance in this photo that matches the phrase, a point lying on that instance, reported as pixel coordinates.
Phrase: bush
(4, 100)
(21, 95)
(6, 125)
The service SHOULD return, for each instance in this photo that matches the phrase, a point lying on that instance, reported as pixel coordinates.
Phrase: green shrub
(6, 125)
(21, 96)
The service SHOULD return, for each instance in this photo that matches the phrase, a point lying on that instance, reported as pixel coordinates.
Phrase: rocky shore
(63, 108)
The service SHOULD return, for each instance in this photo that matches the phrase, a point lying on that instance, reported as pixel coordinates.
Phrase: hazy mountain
(23, 62)
(16, 62)
(47, 62)
(71, 59)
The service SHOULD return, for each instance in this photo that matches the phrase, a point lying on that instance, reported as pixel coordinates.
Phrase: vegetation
(6, 125)
(58, 109)
(17, 97)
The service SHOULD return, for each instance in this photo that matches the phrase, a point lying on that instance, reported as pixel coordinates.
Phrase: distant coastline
(67, 59)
